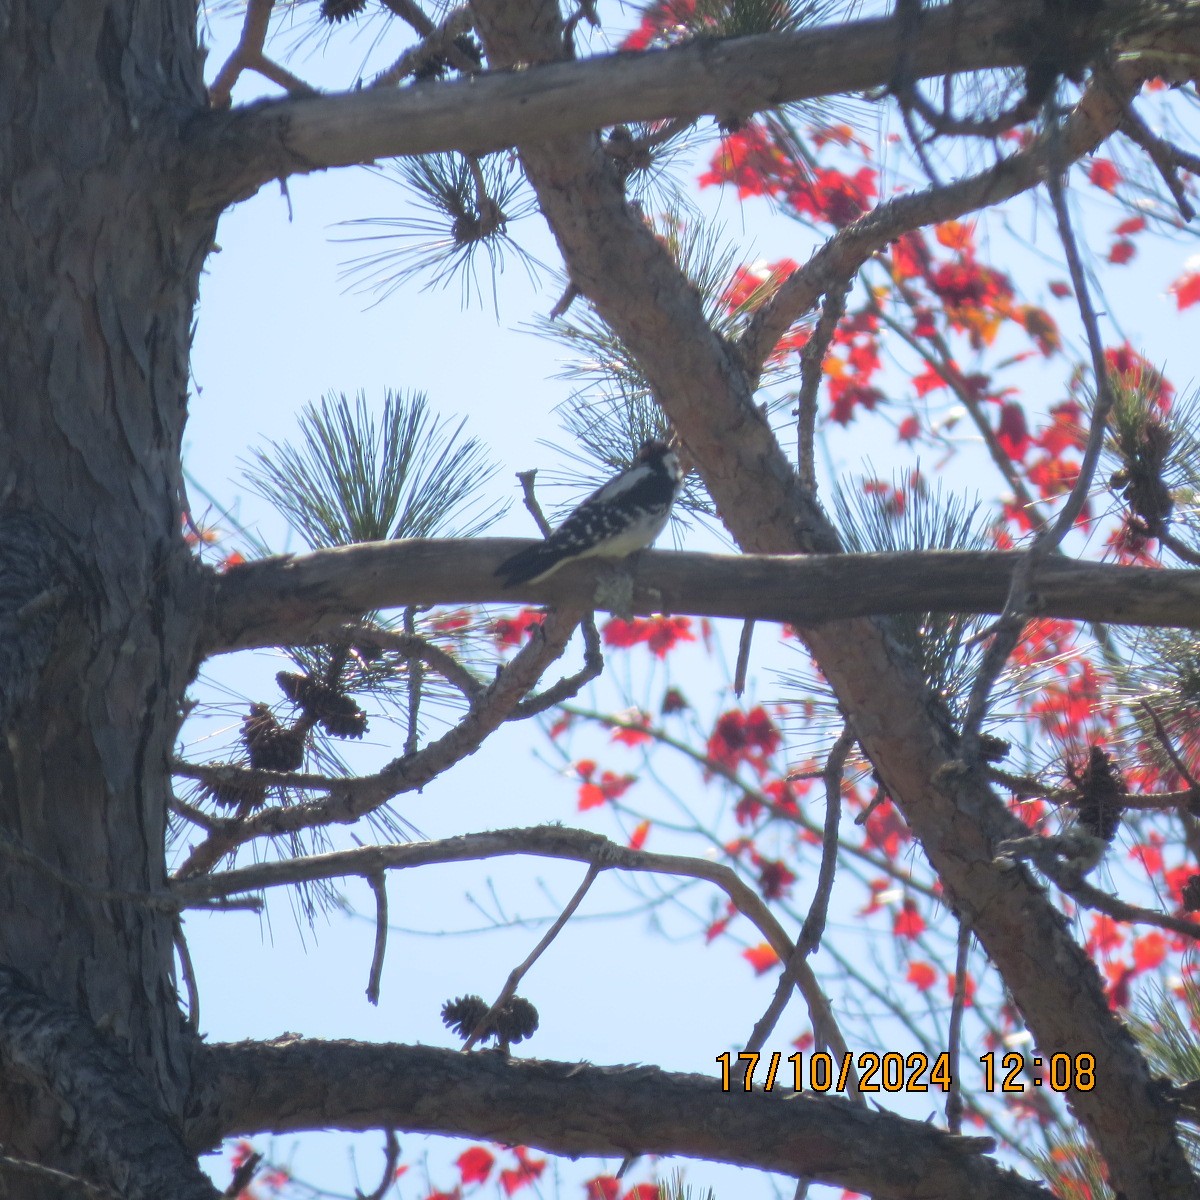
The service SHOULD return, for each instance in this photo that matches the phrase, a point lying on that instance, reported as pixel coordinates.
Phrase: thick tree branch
(121, 1144)
(233, 154)
(578, 1109)
(293, 600)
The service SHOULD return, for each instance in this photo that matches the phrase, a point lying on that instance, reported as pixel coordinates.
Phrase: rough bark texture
(98, 277)
(579, 1109)
(296, 598)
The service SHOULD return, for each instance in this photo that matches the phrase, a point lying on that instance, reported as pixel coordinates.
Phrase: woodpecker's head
(656, 453)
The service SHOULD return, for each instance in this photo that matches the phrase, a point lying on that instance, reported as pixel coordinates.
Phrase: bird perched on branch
(624, 515)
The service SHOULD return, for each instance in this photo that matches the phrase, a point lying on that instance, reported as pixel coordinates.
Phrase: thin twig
(818, 910)
(1164, 740)
(412, 739)
(1012, 620)
(1167, 158)
(1179, 549)
(242, 1175)
(569, 686)
(188, 971)
(1096, 113)
(944, 123)
(526, 479)
(593, 656)
(422, 24)
(570, 294)
(814, 923)
(743, 658)
(391, 1160)
(519, 972)
(440, 661)
(812, 362)
(379, 886)
(190, 812)
(954, 1102)
(250, 44)
(248, 56)
(440, 41)
(723, 771)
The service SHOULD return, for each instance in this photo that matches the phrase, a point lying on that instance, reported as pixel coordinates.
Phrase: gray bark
(98, 276)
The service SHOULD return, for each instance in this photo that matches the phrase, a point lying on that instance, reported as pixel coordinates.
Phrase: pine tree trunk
(98, 593)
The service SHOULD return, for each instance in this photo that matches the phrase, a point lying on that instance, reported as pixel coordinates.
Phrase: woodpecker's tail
(528, 565)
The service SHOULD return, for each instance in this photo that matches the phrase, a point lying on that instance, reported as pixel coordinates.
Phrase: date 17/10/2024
(893, 1072)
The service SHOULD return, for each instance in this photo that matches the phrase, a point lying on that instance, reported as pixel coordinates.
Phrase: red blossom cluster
(594, 791)
(744, 737)
(512, 631)
(660, 634)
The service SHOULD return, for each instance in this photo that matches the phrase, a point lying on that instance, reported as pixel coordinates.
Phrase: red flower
(1104, 174)
(241, 1151)
(761, 957)
(661, 634)
(644, 1191)
(1186, 290)
(1121, 251)
(603, 1187)
(954, 235)
(1012, 432)
(833, 196)
(774, 879)
(744, 737)
(757, 283)
(526, 1172)
(452, 621)
(908, 923)
(921, 975)
(475, 1164)
(848, 397)
(886, 829)
(609, 787)
(1148, 951)
(512, 631)
(667, 632)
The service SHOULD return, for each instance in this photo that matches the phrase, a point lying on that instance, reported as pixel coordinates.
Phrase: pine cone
(1099, 790)
(336, 11)
(337, 713)
(516, 1021)
(271, 747)
(234, 792)
(463, 1014)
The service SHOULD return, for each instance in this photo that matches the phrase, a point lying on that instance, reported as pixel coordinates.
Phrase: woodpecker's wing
(624, 515)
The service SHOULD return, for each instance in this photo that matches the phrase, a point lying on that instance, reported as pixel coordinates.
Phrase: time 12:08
(1060, 1073)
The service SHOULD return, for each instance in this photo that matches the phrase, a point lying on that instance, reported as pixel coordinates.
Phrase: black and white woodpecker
(623, 516)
